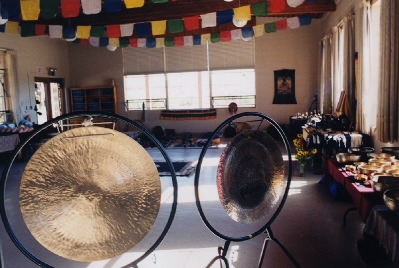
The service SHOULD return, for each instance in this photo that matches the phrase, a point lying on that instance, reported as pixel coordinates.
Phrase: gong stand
(222, 251)
(55, 123)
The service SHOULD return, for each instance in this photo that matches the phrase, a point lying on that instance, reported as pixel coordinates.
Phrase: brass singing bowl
(250, 176)
(347, 158)
(369, 169)
(391, 199)
(90, 194)
(382, 155)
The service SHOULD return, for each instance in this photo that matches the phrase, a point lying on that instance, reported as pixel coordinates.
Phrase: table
(383, 225)
(8, 142)
(363, 197)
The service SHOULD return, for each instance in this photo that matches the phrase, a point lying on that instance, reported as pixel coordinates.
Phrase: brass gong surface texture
(90, 194)
(250, 176)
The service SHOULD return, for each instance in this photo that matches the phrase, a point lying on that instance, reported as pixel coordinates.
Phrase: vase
(301, 170)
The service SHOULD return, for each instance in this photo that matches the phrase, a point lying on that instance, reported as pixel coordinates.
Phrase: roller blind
(143, 60)
(186, 59)
(238, 54)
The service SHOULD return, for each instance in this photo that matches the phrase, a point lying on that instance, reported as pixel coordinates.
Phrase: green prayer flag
(170, 42)
(97, 31)
(159, 1)
(215, 37)
(49, 8)
(76, 41)
(176, 26)
(270, 27)
(124, 41)
(261, 9)
(28, 29)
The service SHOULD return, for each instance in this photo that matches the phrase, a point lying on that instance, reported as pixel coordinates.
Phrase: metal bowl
(379, 162)
(347, 158)
(385, 182)
(361, 150)
(369, 169)
(360, 164)
(391, 199)
(390, 168)
(382, 156)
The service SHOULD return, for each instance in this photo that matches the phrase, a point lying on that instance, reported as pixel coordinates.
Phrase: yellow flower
(299, 136)
(314, 151)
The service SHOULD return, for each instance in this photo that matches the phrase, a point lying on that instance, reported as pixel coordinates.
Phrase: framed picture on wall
(284, 87)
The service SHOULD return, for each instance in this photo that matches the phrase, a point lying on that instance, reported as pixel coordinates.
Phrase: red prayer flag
(40, 29)
(179, 41)
(84, 41)
(70, 8)
(114, 31)
(133, 42)
(281, 25)
(225, 36)
(277, 6)
(192, 23)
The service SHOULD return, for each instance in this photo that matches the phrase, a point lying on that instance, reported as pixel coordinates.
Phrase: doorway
(49, 98)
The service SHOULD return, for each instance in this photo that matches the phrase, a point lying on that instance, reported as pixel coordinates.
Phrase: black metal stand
(347, 212)
(222, 252)
(271, 237)
(55, 122)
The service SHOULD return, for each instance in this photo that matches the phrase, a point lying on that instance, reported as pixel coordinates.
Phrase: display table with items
(383, 226)
(362, 193)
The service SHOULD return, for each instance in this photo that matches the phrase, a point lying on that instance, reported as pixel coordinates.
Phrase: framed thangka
(284, 87)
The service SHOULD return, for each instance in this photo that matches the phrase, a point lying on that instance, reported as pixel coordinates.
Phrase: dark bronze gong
(250, 176)
(90, 194)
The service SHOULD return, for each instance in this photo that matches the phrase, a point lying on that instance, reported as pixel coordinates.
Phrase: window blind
(232, 55)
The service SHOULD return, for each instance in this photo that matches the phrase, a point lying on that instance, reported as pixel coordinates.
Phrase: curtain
(387, 117)
(325, 76)
(365, 117)
(11, 78)
(348, 66)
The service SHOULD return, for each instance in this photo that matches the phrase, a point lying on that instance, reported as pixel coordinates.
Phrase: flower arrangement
(303, 156)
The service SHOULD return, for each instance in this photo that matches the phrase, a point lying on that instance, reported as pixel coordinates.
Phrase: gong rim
(55, 121)
(198, 173)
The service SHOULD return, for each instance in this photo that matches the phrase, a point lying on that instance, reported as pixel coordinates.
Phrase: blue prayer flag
(225, 16)
(143, 29)
(113, 6)
(247, 32)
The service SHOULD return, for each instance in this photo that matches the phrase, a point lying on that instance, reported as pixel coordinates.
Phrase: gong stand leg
(262, 256)
(222, 251)
(286, 251)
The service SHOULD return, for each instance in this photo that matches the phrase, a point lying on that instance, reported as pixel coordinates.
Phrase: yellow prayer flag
(30, 9)
(242, 13)
(160, 42)
(83, 32)
(134, 3)
(158, 27)
(12, 27)
(114, 42)
(259, 30)
(206, 38)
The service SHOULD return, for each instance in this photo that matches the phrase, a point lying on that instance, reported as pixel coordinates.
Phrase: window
(233, 86)
(196, 77)
(145, 89)
(191, 90)
(4, 106)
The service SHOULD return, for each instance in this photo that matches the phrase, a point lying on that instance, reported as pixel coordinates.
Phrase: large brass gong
(90, 194)
(250, 176)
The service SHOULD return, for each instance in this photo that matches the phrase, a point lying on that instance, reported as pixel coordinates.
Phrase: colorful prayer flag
(30, 10)
(192, 23)
(293, 22)
(69, 32)
(113, 6)
(134, 3)
(28, 29)
(215, 37)
(114, 31)
(261, 9)
(225, 36)
(55, 31)
(270, 27)
(151, 43)
(247, 32)
(40, 29)
(281, 25)
(127, 29)
(225, 16)
(188, 41)
(124, 42)
(242, 13)
(169, 42)
(133, 42)
(49, 8)
(70, 8)
(91, 6)
(143, 29)
(179, 41)
(259, 30)
(176, 26)
(94, 41)
(97, 31)
(305, 20)
(277, 6)
(208, 20)
(158, 27)
(83, 32)
(160, 42)
(295, 3)
(197, 40)
(104, 41)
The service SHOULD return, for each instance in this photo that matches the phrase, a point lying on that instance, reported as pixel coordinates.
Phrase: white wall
(291, 49)
(34, 52)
